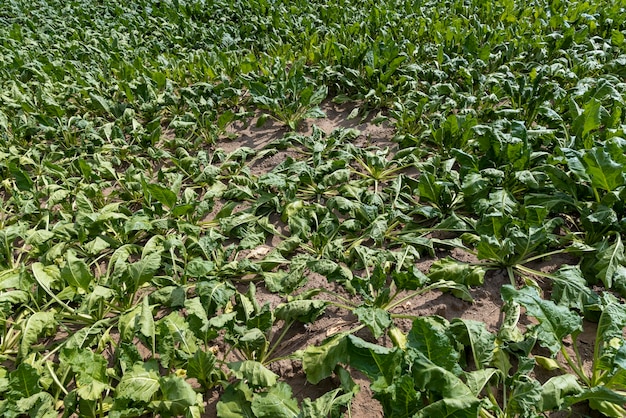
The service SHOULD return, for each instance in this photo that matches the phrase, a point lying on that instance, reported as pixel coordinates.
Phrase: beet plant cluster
(134, 244)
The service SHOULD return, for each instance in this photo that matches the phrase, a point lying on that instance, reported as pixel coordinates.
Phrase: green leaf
(555, 322)
(24, 381)
(376, 319)
(214, 294)
(76, 272)
(164, 195)
(326, 405)
(478, 379)
(570, 289)
(143, 270)
(601, 399)
(236, 402)
(609, 260)
(177, 395)
(448, 269)
(255, 373)
(319, 362)
(429, 335)
(202, 367)
(380, 364)
(38, 324)
(525, 396)
(140, 383)
(146, 322)
(277, 402)
(604, 172)
(304, 311)
(459, 407)
(22, 179)
(555, 391)
(475, 335)
(90, 369)
(430, 377)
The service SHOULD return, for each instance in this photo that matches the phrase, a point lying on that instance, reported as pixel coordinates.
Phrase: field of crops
(273, 208)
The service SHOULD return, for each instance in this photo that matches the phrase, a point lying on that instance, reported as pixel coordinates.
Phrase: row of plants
(132, 245)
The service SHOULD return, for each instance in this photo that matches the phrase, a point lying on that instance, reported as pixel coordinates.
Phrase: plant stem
(540, 256)
(511, 274)
(349, 302)
(574, 367)
(278, 340)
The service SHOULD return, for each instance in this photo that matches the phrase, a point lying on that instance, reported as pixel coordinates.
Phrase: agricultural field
(273, 208)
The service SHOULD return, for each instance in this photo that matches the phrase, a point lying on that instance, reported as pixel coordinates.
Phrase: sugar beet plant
(150, 264)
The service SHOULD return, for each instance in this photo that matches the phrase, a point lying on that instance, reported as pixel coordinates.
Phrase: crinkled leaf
(556, 389)
(177, 395)
(475, 335)
(449, 269)
(304, 311)
(277, 402)
(430, 336)
(255, 373)
(376, 319)
(319, 362)
(140, 383)
(555, 322)
(459, 407)
(38, 324)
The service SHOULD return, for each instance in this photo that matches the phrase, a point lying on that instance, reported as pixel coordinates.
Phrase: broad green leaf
(430, 377)
(197, 317)
(555, 391)
(448, 269)
(76, 272)
(164, 195)
(177, 395)
(202, 367)
(24, 381)
(40, 405)
(146, 322)
(304, 311)
(609, 261)
(323, 406)
(214, 294)
(236, 402)
(22, 179)
(38, 324)
(177, 328)
(478, 379)
(525, 396)
(459, 407)
(380, 364)
(570, 289)
(430, 336)
(277, 402)
(90, 370)
(475, 335)
(140, 383)
(254, 373)
(319, 362)
(376, 319)
(143, 270)
(604, 172)
(555, 322)
(601, 399)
